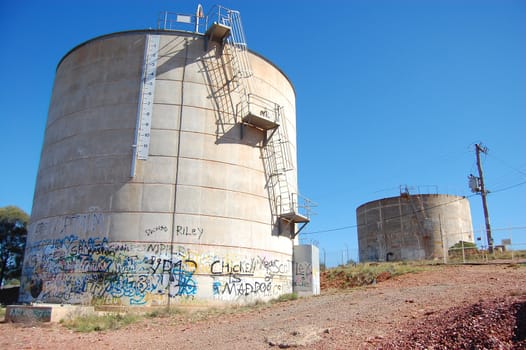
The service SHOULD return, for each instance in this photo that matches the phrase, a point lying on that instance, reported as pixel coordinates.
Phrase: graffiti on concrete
(189, 231)
(72, 269)
(159, 228)
(80, 224)
(257, 277)
(94, 270)
(31, 314)
(70, 259)
(302, 275)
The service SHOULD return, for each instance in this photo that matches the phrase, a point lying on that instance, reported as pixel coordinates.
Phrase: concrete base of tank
(45, 312)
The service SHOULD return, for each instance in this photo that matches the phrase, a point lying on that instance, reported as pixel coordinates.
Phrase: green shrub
(163, 312)
(100, 323)
(286, 297)
(357, 275)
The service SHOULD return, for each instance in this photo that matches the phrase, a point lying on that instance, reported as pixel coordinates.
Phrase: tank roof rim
(163, 31)
(412, 195)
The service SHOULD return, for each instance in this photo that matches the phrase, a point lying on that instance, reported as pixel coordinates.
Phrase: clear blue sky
(388, 93)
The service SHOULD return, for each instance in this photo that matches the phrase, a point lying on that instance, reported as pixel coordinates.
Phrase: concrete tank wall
(412, 227)
(194, 223)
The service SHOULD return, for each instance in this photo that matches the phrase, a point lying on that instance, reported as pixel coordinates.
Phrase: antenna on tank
(404, 192)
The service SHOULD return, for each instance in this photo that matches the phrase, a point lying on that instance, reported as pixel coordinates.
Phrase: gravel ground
(490, 324)
(445, 307)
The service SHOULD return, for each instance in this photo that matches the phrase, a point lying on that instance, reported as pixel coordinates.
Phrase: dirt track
(388, 315)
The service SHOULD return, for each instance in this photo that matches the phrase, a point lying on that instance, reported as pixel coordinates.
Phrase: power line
(507, 188)
(509, 228)
(509, 165)
(331, 230)
(346, 227)
(390, 218)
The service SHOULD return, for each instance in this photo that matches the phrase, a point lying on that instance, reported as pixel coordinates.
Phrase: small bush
(357, 275)
(286, 297)
(100, 323)
(163, 312)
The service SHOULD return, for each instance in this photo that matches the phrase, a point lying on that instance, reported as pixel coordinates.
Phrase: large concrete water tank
(151, 190)
(412, 227)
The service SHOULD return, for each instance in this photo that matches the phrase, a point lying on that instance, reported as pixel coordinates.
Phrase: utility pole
(477, 186)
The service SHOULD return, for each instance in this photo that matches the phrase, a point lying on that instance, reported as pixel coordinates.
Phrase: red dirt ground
(444, 307)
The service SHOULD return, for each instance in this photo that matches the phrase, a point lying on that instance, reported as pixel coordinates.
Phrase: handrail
(268, 109)
(184, 22)
(303, 205)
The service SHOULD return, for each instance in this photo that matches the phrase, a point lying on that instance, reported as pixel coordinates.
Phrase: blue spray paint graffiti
(80, 265)
(72, 269)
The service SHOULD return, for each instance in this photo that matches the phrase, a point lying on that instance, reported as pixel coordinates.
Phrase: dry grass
(482, 256)
(174, 315)
(285, 297)
(356, 275)
(92, 323)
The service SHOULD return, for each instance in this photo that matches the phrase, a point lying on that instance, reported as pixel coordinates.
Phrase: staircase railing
(258, 112)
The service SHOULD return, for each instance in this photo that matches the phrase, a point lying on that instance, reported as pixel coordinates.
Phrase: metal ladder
(236, 40)
(419, 212)
(276, 148)
(238, 52)
(277, 159)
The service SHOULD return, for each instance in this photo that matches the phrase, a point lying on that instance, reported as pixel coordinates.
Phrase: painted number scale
(147, 93)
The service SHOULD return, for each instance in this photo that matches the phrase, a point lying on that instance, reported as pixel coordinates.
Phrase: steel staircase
(258, 112)
(277, 160)
(418, 209)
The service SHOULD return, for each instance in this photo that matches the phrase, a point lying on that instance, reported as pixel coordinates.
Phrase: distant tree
(464, 245)
(13, 235)
(463, 248)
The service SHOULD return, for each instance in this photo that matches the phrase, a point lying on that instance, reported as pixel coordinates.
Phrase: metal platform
(260, 121)
(218, 32)
(295, 218)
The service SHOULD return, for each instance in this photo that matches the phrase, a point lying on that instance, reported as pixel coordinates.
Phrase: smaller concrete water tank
(412, 227)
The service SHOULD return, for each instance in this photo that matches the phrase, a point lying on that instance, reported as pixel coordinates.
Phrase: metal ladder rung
(276, 155)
